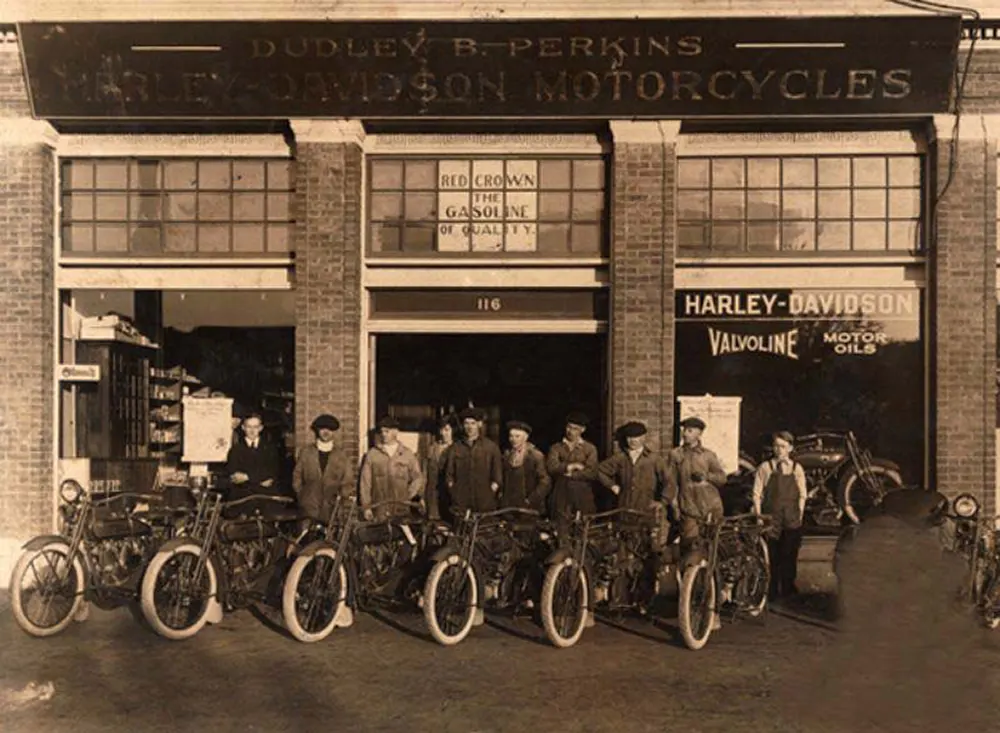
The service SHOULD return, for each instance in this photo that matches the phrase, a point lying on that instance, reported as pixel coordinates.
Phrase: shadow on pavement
(506, 625)
(384, 617)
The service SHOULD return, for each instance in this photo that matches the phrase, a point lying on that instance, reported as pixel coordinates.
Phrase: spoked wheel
(753, 586)
(450, 598)
(46, 589)
(696, 607)
(313, 595)
(565, 596)
(858, 499)
(175, 598)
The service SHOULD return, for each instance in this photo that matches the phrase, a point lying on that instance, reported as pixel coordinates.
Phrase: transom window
(449, 206)
(836, 203)
(176, 206)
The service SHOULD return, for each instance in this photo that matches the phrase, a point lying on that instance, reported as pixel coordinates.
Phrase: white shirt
(634, 455)
(390, 449)
(252, 443)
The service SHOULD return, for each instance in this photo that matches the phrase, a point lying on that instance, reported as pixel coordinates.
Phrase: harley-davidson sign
(592, 68)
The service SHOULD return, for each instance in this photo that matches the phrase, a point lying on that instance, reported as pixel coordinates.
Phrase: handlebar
(506, 510)
(259, 497)
(127, 494)
(394, 502)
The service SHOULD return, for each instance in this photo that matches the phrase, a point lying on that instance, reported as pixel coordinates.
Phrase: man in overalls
(779, 490)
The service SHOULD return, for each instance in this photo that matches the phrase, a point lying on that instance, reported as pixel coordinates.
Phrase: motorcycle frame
(736, 524)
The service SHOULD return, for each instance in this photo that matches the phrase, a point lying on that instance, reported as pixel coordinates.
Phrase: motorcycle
(356, 564)
(729, 573)
(492, 559)
(974, 536)
(105, 546)
(220, 559)
(612, 561)
(844, 481)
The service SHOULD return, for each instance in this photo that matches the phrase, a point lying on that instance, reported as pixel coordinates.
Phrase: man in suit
(321, 472)
(252, 465)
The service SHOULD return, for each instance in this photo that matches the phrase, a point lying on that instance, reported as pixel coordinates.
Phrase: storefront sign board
(79, 372)
(470, 303)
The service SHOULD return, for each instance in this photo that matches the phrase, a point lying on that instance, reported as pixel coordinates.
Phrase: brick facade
(26, 328)
(642, 277)
(963, 325)
(328, 287)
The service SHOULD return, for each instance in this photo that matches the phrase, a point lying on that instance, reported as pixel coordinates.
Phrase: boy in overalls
(779, 490)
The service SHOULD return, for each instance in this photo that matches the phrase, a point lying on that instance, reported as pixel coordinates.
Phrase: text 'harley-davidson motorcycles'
(106, 543)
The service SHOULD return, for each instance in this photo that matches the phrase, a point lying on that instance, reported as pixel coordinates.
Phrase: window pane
(692, 236)
(78, 238)
(834, 172)
(455, 174)
(78, 174)
(799, 235)
(586, 238)
(421, 174)
(112, 174)
(834, 204)
(213, 238)
(248, 206)
(112, 207)
(553, 238)
(145, 208)
(249, 174)
(488, 174)
(248, 237)
(692, 204)
(453, 205)
(762, 237)
(727, 236)
(762, 204)
(111, 238)
(554, 173)
(692, 173)
(214, 175)
(904, 171)
(180, 174)
(588, 206)
(417, 238)
(280, 175)
(798, 204)
(904, 203)
(213, 207)
(869, 171)
(763, 173)
(279, 237)
(553, 206)
(144, 175)
(386, 206)
(869, 235)
(869, 204)
(421, 207)
(78, 207)
(834, 235)
(521, 237)
(727, 173)
(523, 206)
(523, 175)
(799, 172)
(144, 239)
(903, 235)
(179, 237)
(452, 238)
(279, 207)
(588, 174)
(487, 240)
(387, 174)
(727, 205)
(181, 206)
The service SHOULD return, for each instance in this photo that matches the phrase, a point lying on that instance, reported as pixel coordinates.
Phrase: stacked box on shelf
(167, 388)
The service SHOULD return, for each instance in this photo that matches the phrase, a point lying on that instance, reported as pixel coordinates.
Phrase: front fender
(37, 543)
(223, 581)
(558, 555)
(352, 574)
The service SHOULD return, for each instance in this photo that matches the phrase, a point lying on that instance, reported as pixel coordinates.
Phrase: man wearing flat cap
(637, 476)
(390, 472)
(695, 475)
(321, 471)
(572, 464)
(525, 478)
(474, 467)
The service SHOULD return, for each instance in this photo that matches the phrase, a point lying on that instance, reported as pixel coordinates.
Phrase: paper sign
(208, 429)
(722, 421)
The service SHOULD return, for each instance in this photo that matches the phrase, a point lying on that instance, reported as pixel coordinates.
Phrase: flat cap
(633, 429)
(326, 421)
(472, 413)
(577, 418)
(519, 425)
(693, 422)
(387, 422)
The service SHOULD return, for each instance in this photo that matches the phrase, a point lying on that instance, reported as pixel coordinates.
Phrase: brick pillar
(26, 327)
(642, 276)
(964, 259)
(328, 199)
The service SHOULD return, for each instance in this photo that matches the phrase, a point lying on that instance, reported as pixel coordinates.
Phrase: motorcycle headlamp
(70, 491)
(965, 506)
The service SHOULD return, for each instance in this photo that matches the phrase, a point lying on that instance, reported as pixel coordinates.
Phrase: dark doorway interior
(535, 378)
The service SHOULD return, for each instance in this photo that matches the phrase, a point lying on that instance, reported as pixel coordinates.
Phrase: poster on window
(809, 359)
(722, 425)
(208, 429)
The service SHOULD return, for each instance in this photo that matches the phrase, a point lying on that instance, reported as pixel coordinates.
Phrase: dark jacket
(436, 492)
(260, 464)
(317, 491)
(641, 484)
(695, 499)
(469, 471)
(526, 485)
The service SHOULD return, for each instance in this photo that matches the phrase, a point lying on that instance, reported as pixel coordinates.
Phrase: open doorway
(530, 377)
